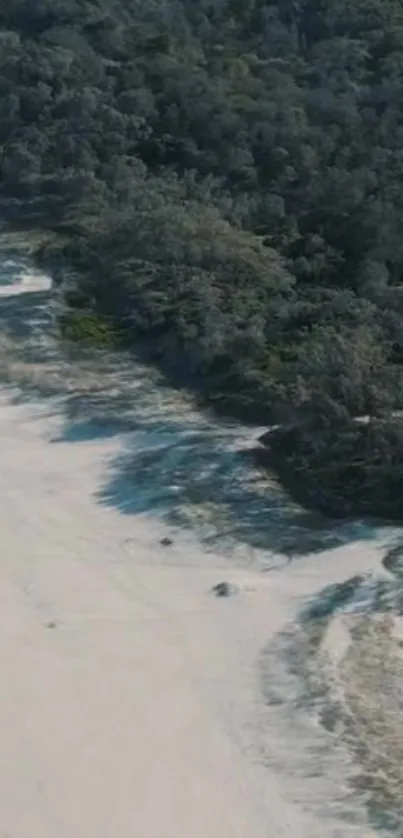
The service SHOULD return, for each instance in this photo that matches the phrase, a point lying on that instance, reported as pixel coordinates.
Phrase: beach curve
(130, 698)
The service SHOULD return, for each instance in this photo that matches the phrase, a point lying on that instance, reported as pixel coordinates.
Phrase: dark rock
(224, 589)
(51, 625)
(166, 542)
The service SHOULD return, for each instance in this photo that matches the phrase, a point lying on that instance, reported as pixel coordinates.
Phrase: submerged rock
(166, 542)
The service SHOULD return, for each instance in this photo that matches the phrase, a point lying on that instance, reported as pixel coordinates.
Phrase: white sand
(26, 281)
(136, 713)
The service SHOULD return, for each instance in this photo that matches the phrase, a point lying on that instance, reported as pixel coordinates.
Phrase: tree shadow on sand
(176, 463)
(21, 314)
(198, 480)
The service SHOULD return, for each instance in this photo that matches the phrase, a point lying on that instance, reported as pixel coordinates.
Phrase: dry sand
(130, 700)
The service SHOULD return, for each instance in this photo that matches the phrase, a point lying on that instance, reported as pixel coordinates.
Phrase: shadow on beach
(175, 462)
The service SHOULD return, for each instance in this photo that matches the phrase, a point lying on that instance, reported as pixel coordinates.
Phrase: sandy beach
(131, 701)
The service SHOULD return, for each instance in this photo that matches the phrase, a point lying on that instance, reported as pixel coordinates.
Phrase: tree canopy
(230, 173)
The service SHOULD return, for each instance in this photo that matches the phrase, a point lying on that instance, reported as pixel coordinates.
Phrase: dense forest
(230, 177)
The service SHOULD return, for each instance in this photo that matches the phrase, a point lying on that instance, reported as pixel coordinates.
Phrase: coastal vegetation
(229, 177)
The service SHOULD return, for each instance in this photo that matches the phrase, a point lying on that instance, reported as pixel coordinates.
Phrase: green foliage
(229, 178)
(88, 328)
(343, 467)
